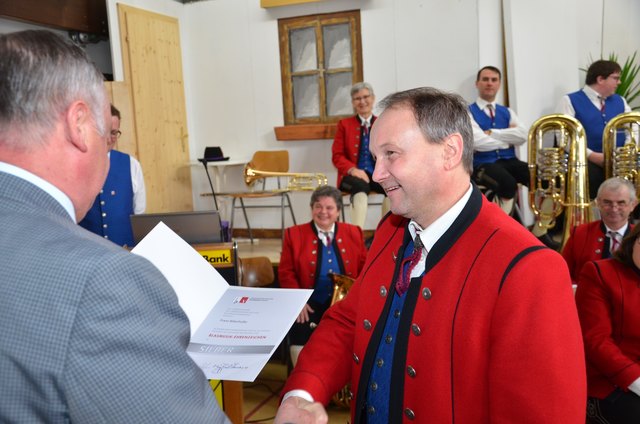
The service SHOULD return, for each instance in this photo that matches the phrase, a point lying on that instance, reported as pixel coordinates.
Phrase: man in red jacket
(351, 155)
(459, 314)
(595, 240)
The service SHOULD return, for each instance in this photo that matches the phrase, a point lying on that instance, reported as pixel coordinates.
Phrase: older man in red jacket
(460, 314)
(595, 240)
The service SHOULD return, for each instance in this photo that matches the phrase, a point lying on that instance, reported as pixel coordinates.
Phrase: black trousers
(300, 333)
(353, 185)
(502, 176)
(618, 408)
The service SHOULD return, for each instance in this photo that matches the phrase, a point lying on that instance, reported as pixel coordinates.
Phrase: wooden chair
(264, 165)
(255, 272)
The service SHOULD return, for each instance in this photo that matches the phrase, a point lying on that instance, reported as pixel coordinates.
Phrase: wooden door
(152, 60)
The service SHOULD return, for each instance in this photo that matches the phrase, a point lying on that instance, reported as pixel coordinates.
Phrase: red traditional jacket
(588, 242)
(300, 260)
(608, 299)
(346, 145)
(489, 335)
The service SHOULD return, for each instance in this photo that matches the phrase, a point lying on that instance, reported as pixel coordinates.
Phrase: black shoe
(549, 242)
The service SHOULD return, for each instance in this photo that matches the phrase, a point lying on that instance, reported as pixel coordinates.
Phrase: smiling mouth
(392, 188)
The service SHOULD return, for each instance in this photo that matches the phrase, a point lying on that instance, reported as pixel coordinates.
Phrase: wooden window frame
(323, 126)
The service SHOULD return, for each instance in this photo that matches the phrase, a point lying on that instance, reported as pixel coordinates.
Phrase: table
(219, 172)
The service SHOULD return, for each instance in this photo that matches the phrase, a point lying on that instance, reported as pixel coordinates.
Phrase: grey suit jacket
(88, 331)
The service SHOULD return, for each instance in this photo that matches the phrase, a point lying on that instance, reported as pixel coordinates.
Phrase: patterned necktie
(402, 284)
(491, 114)
(601, 104)
(615, 241)
(327, 238)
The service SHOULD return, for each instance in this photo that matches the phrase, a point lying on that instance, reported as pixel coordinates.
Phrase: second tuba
(558, 173)
(622, 161)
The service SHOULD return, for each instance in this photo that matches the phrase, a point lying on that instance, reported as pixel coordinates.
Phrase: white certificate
(234, 330)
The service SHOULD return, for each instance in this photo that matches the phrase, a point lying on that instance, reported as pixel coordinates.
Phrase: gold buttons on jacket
(383, 291)
(367, 324)
(415, 329)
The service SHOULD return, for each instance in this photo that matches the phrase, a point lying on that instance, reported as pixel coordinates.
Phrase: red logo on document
(243, 299)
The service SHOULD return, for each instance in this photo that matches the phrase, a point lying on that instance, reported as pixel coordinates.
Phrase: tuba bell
(558, 174)
(296, 181)
(622, 161)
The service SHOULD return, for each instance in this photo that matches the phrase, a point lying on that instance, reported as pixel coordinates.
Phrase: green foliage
(629, 88)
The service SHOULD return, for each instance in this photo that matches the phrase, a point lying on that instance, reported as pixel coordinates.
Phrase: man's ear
(78, 120)
(453, 147)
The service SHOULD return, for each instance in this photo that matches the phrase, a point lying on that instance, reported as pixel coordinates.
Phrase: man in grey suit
(90, 332)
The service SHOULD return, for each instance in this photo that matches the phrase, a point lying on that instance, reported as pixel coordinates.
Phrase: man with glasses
(595, 240)
(123, 194)
(351, 155)
(594, 106)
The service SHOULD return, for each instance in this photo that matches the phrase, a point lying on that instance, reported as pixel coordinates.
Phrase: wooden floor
(261, 397)
(269, 247)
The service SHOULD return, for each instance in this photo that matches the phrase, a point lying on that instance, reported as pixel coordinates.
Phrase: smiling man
(454, 317)
(594, 106)
(599, 239)
(351, 155)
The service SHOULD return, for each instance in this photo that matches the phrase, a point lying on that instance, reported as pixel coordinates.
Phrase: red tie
(491, 114)
(615, 243)
(601, 104)
(402, 284)
(328, 237)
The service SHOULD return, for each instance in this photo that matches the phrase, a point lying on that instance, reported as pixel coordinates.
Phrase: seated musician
(616, 199)
(608, 301)
(313, 250)
(496, 130)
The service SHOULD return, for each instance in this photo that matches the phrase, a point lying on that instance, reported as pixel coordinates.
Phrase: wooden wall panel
(120, 96)
(152, 60)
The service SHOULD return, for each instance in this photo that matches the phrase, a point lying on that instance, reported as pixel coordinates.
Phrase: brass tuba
(558, 173)
(622, 161)
(296, 181)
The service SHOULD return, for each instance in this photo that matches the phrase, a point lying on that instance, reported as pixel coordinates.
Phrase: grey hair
(361, 86)
(327, 191)
(614, 184)
(438, 114)
(41, 74)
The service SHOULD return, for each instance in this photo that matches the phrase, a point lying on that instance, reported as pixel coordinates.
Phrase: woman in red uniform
(311, 251)
(608, 300)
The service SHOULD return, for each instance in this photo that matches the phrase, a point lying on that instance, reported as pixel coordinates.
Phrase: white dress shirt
(500, 138)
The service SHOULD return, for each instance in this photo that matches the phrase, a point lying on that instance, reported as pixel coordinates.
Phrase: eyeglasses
(357, 99)
(608, 204)
(116, 133)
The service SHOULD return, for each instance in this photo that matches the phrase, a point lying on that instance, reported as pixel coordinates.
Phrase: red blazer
(491, 336)
(300, 260)
(346, 145)
(588, 242)
(608, 300)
